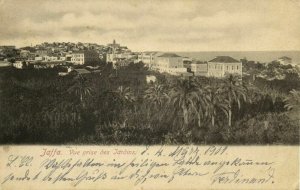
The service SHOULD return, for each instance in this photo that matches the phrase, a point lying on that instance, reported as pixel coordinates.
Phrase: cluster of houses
(47, 55)
(119, 55)
(174, 64)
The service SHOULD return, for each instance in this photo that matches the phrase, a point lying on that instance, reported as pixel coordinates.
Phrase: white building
(62, 58)
(85, 57)
(77, 58)
(223, 65)
(148, 58)
(199, 68)
(170, 63)
(150, 78)
(24, 53)
(117, 57)
(18, 64)
(114, 52)
(38, 58)
(118, 53)
(50, 58)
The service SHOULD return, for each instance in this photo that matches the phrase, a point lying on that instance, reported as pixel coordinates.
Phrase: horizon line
(145, 50)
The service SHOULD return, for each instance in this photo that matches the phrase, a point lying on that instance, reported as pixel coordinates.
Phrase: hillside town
(82, 57)
(90, 93)
(149, 94)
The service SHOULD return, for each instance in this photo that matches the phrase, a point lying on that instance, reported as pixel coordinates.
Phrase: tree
(182, 95)
(80, 89)
(293, 100)
(62, 113)
(292, 104)
(156, 95)
(214, 101)
(233, 91)
(156, 99)
(274, 94)
(201, 101)
(123, 95)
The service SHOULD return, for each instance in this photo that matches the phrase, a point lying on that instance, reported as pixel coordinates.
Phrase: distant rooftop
(198, 62)
(224, 59)
(285, 58)
(5, 64)
(169, 55)
(82, 71)
(83, 51)
(52, 62)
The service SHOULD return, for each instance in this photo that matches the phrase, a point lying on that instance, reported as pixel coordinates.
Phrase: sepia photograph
(149, 94)
(149, 72)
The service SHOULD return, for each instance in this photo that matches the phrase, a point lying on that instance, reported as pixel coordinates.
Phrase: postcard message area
(152, 167)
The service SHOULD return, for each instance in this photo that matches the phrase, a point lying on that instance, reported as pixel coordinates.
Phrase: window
(237, 67)
(227, 68)
(232, 67)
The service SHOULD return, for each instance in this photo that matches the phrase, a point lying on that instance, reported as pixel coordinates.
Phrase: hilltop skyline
(155, 25)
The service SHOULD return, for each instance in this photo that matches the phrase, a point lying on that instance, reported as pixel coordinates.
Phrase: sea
(257, 56)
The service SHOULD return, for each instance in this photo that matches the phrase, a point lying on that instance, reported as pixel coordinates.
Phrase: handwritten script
(137, 166)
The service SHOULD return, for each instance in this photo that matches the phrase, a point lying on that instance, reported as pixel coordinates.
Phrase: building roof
(52, 62)
(78, 52)
(169, 55)
(82, 71)
(198, 62)
(84, 52)
(285, 58)
(186, 74)
(5, 64)
(224, 59)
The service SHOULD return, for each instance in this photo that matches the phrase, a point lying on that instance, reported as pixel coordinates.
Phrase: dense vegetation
(120, 107)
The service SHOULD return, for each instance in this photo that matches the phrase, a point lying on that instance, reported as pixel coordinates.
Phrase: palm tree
(157, 98)
(272, 93)
(201, 101)
(254, 94)
(80, 89)
(214, 101)
(156, 95)
(123, 101)
(293, 100)
(182, 97)
(233, 91)
(293, 105)
(63, 113)
(124, 95)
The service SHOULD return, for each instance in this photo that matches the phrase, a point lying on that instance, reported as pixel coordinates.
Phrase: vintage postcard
(149, 94)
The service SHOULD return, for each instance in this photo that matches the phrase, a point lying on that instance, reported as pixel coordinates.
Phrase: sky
(155, 25)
